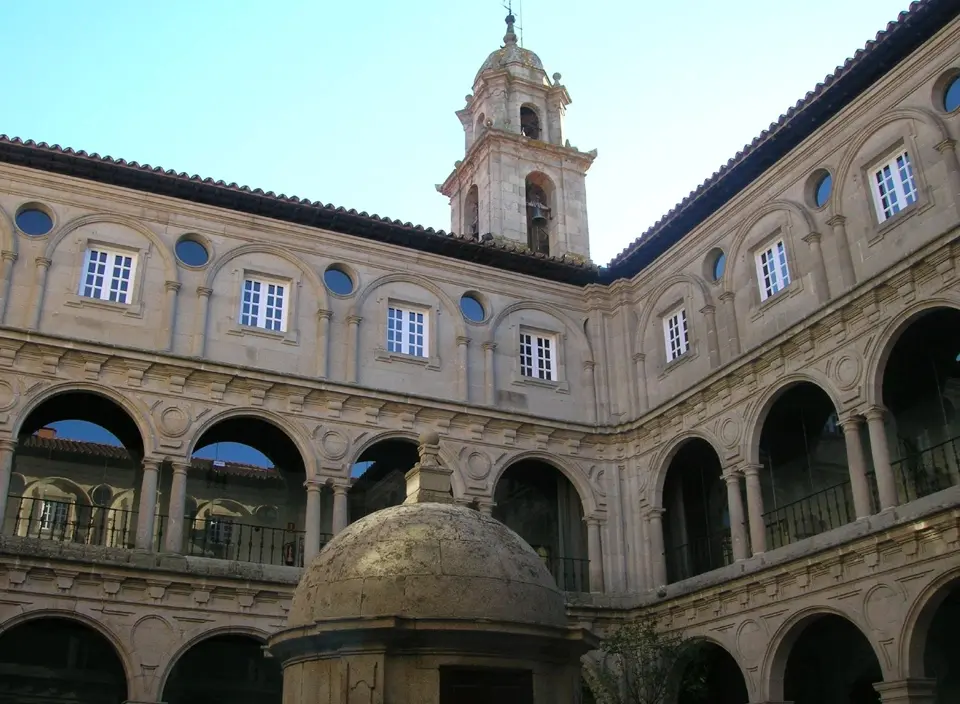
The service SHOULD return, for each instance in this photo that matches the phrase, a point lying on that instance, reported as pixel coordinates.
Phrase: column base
(913, 691)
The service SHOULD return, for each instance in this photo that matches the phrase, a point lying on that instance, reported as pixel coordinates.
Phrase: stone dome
(429, 561)
(511, 54)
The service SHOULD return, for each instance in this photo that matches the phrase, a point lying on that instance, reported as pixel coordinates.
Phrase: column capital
(639, 356)
(731, 475)
(946, 145)
(354, 319)
(708, 310)
(589, 365)
(875, 413)
(593, 520)
(751, 469)
(172, 286)
(907, 691)
(313, 484)
(8, 445)
(656, 512)
(340, 489)
(850, 422)
(727, 296)
(837, 220)
(43, 262)
(9, 256)
(489, 346)
(204, 291)
(812, 238)
(463, 341)
(152, 464)
(324, 314)
(181, 466)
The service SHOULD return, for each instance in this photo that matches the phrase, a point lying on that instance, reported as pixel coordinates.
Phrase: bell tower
(520, 179)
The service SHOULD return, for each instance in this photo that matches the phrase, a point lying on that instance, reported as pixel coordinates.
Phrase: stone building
(746, 423)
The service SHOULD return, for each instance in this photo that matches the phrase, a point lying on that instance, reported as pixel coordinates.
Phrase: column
(847, 273)
(43, 266)
(590, 390)
(595, 553)
(353, 347)
(640, 364)
(485, 507)
(463, 369)
(820, 281)
(886, 486)
(729, 305)
(171, 288)
(856, 466)
(203, 310)
(176, 508)
(758, 533)
(948, 148)
(323, 343)
(311, 542)
(489, 380)
(658, 563)
(643, 533)
(340, 518)
(914, 691)
(8, 261)
(713, 347)
(7, 448)
(146, 514)
(738, 527)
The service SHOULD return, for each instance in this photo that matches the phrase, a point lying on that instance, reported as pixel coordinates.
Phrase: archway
(710, 675)
(826, 659)
(59, 660)
(696, 524)
(245, 495)
(378, 476)
(539, 190)
(77, 472)
(921, 389)
(535, 499)
(805, 479)
(225, 669)
(935, 642)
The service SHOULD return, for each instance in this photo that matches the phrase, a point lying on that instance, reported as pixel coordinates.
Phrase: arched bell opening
(77, 472)
(540, 208)
(921, 391)
(805, 479)
(59, 660)
(530, 122)
(225, 669)
(828, 661)
(379, 476)
(708, 674)
(535, 500)
(696, 523)
(471, 212)
(245, 496)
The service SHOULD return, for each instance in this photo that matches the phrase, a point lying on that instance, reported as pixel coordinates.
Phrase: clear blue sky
(352, 103)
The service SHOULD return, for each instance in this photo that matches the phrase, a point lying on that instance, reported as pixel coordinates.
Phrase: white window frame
(54, 515)
(676, 334)
(408, 330)
(254, 313)
(538, 355)
(894, 185)
(107, 284)
(773, 269)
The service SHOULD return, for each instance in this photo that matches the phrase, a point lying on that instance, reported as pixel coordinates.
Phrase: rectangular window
(675, 333)
(264, 305)
(894, 187)
(219, 531)
(407, 331)
(538, 356)
(54, 515)
(108, 276)
(772, 270)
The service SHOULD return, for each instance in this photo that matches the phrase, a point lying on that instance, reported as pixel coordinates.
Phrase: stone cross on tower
(429, 481)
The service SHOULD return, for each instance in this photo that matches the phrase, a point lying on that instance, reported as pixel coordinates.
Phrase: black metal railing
(69, 522)
(699, 555)
(814, 514)
(224, 539)
(919, 474)
(572, 574)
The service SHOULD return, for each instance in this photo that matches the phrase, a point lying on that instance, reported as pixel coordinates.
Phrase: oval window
(472, 308)
(951, 96)
(719, 264)
(824, 187)
(191, 252)
(338, 281)
(34, 222)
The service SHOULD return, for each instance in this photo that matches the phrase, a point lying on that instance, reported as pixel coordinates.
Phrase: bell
(538, 214)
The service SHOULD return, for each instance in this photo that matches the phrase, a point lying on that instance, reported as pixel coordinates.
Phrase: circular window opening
(338, 281)
(719, 265)
(472, 308)
(951, 96)
(34, 222)
(191, 252)
(822, 192)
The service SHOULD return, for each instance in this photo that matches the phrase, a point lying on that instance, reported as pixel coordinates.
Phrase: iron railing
(814, 514)
(70, 522)
(221, 538)
(699, 555)
(572, 574)
(920, 474)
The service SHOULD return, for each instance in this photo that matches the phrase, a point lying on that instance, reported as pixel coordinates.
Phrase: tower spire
(510, 37)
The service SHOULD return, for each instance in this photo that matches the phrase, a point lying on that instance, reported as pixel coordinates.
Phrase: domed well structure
(429, 603)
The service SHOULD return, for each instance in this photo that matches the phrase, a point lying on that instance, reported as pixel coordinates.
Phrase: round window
(472, 308)
(191, 252)
(951, 96)
(719, 264)
(34, 222)
(338, 281)
(824, 187)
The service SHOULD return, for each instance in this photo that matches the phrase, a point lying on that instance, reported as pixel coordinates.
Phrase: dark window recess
(485, 686)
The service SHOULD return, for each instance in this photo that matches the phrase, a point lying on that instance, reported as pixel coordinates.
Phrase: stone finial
(510, 37)
(429, 481)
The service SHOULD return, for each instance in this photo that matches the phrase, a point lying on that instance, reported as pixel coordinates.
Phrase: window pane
(394, 330)
(250, 305)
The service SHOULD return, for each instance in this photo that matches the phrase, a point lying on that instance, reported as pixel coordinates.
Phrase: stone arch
(98, 627)
(755, 416)
(573, 474)
(664, 457)
(774, 664)
(698, 283)
(889, 335)
(62, 483)
(262, 248)
(853, 148)
(745, 228)
(292, 431)
(446, 301)
(917, 622)
(695, 639)
(170, 266)
(205, 508)
(569, 323)
(8, 243)
(140, 416)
